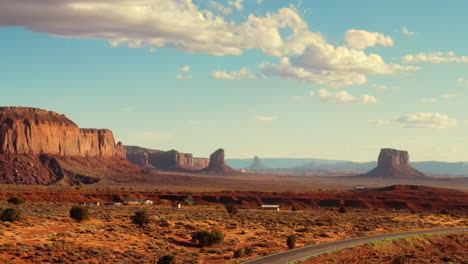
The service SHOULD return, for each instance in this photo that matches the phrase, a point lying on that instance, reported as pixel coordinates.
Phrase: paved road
(311, 251)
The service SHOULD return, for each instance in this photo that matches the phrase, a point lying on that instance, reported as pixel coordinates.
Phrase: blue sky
(318, 79)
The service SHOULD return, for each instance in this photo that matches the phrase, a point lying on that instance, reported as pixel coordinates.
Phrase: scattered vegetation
(167, 259)
(189, 200)
(232, 209)
(15, 200)
(342, 210)
(79, 213)
(140, 218)
(205, 238)
(291, 241)
(10, 215)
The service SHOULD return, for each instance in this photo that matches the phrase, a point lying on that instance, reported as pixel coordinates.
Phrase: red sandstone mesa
(44, 147)
(393, 163)
(25, 130)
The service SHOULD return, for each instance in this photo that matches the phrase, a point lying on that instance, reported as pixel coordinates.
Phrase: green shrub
(189, 200)
(232, 209)
(10, 215)
(239, 253)
(206, 239)
(167, 259)
(294, 208)
(16, 200)
(140, 218)
(79, 213)
(291, 241)
(400, 260)
(248, 250)
(342, 210)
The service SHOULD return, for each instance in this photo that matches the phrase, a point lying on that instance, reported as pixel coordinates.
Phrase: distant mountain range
(429, 167)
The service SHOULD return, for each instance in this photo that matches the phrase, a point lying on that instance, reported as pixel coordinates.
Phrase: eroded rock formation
(257, 164)
(217, 164)
(164, 160)
(44, 147)
(26, 130)
(393, 163)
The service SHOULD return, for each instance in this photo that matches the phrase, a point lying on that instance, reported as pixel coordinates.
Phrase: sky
(332, 79)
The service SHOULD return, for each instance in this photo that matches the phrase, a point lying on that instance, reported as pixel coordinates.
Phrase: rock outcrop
(217, 164)
(257, 164)
(26, 130)
(393, 163)
(164, 160)
(44, 147)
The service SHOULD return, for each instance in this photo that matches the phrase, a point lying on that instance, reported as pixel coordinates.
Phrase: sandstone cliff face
(25, 130)
(164, 160)
(217, 165)
(393, 163)
(393, 158)
(43, 147)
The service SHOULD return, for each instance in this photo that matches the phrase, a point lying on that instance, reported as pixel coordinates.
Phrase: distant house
(274, 207)
(96, 203)
(177, 205)
(360, 188)
(242, 170)
(137, 202)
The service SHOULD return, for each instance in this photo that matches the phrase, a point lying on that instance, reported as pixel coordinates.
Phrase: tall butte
(35, 143)
(393, 163)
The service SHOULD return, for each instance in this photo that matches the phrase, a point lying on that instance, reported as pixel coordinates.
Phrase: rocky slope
(393, 163)
(36, 145)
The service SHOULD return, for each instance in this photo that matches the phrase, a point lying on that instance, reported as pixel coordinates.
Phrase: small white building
(243, 171)
(274, 207)
(360, 187)
(177, 205)
(138, 202)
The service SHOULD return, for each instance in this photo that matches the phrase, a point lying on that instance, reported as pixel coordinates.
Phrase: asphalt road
(311, 251)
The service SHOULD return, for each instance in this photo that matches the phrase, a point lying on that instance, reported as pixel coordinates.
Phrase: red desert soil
(446, 248)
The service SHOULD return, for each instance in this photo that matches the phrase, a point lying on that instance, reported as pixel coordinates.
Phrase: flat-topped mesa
(393, 163)
(393, 158)
(27, 130)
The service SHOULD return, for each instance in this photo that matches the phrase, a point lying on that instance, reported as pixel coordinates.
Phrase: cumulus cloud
(382, 87)
(406, 31)
(437, 58)
(183, 76)
(178, 24)
(361, 39)
(262, 118)
(235, 75)
(379, 122)
(220, 8)
(462, 81)
(425, 120)
(344, 97)
(186, 68)
(238, 5)
(451, 96)
(429, 100)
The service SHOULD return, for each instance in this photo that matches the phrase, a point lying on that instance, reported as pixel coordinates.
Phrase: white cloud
(235, 75)
(437, 57)
(262, 118)
(238, 5)
(462, 81)
(220, 8)
(451, 96)
(361, 39)
(260, 2)
(161, 23)
(406, 32)
(344, 97)
(429, 100)
(153, 136)
(381, 87)
(186, 68)
(183, 77)
(425, 120)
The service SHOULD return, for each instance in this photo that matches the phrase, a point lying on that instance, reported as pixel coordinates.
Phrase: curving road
(311, 251)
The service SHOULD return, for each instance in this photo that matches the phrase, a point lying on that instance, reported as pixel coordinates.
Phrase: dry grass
(47, 234)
